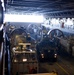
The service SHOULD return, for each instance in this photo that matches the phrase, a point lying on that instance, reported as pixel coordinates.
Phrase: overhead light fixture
(23, 18)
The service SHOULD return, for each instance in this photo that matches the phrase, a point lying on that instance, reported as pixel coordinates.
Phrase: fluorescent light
(23, 18)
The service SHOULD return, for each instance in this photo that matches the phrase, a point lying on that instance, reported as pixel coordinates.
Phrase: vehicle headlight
(15, 60)
(24, 60)
(55, 55)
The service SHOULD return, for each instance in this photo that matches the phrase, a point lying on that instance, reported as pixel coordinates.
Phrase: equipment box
(24, 62)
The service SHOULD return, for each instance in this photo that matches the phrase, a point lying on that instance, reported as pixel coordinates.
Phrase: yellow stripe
(63, 69)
